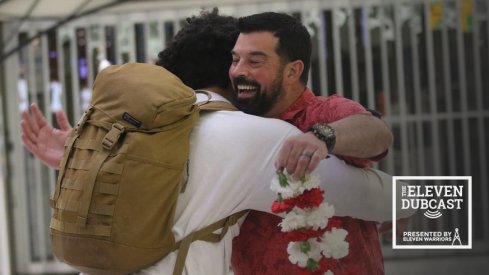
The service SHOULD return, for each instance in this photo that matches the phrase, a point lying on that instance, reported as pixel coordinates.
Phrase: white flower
(315, 252)
(277, 188)
(299, 186)
(334, 244)
(311, 181)
(317, 218)
(295, 187)
(328, 273)
(297, 256)
(293, 220)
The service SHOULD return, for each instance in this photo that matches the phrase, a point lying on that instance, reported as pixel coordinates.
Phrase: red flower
(284, 206)
(310, 198)
(303, 234)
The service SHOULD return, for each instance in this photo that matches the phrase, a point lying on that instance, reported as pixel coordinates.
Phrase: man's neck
(289, 96)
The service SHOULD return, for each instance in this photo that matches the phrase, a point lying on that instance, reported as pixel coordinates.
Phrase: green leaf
(282, 179)
(312, 264)
(305, 246)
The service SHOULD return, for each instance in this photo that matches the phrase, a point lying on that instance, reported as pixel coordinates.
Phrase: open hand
(42, 139)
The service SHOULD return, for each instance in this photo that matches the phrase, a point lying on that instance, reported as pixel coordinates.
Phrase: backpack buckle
(112, 136)
(84, 118)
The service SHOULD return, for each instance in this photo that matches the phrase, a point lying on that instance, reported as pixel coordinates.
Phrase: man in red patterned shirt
(271, 60)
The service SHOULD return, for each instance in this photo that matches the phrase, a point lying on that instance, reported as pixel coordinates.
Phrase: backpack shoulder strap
(217, 106)
(205, 234)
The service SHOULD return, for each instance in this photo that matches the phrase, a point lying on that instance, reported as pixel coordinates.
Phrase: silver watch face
(327, 134)
(326, 131)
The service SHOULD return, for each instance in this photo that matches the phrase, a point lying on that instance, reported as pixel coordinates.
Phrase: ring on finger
(307, 154)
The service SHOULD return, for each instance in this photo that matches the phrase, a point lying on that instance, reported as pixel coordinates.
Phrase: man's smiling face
(256, 73)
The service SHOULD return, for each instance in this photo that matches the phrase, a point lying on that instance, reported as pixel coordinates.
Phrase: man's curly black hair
(200, 53)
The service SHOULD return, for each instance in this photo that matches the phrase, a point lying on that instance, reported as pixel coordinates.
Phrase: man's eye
(254, 62)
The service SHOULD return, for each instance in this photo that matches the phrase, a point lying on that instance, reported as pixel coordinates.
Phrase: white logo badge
(436, 200)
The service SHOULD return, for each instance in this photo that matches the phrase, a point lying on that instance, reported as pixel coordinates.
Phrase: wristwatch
(325, 133)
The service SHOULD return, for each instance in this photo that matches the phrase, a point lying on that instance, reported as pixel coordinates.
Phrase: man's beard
(262, 101)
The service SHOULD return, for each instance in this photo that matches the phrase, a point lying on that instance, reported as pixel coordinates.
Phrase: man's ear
(293, 71)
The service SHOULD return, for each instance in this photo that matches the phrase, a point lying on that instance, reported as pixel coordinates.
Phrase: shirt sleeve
(361, 193)
(334, 108)
(337, 107)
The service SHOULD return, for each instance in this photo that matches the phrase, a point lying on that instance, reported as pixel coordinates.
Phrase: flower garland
(308, 225)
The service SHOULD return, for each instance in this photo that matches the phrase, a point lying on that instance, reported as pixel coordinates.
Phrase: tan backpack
(122, 171)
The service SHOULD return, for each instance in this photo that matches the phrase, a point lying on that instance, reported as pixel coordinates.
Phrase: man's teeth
(246, 87)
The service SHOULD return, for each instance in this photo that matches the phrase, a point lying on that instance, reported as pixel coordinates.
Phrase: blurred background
(423, 64)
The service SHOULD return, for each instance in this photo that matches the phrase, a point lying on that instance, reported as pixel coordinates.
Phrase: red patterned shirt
(260, 247)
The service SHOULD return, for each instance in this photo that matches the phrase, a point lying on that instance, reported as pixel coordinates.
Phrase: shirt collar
(299, 105)
(214, 97)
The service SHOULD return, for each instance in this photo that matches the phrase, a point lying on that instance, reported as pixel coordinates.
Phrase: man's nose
(239, 69)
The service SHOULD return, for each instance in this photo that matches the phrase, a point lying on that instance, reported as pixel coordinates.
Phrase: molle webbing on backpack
(121, 174)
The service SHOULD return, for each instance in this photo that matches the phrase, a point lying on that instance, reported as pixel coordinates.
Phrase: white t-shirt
(231, 165)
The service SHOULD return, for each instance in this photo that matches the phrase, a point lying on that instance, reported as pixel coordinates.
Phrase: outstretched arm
(362, 193)
(43, 140)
